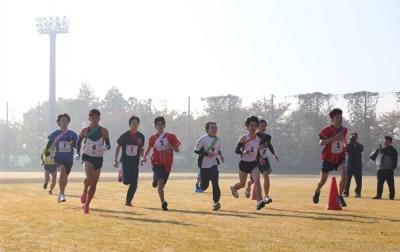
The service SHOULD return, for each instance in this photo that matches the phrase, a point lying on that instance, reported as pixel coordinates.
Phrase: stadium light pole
(52, 26)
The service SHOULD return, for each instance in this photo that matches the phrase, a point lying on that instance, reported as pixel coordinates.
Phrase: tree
(397, 94)
(228, 112)
(389, 124)
(362, 112)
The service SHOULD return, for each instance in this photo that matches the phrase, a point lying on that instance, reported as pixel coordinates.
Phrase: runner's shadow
(145, 220)
(323, 215)
(216, 213)
(337, 214)
(99, 210)
(319, 218)
(67, 195)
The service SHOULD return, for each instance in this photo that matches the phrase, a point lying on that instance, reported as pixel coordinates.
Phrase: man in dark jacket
(386, 161)
(354, 165)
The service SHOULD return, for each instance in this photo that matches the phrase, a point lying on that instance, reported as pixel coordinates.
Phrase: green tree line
(294, 132)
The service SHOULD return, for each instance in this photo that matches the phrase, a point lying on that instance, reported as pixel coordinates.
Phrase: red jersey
(162, 145)
(334, 152)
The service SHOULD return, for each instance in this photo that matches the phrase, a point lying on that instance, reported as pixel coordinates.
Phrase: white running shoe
(234, 192)
(61, 198)
(267, 200)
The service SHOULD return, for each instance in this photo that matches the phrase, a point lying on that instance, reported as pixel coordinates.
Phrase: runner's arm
(240, 145)
(325, 141)
(271, 148)
(117, 150)
(106, 138)
(78, 145)
(49, 143)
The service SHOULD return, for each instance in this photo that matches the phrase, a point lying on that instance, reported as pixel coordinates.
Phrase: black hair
(94, 112)
(389, 138)
(252, 119)
(133, 118)
(334, 112)
(208, 125)
(61, 116)
(159, 119)
(263, 121)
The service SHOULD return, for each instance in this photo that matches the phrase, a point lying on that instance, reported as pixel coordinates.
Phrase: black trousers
(388, 176)
(207, 175)
(356, 171)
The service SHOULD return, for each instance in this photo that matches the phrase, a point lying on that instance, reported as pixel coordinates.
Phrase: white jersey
(94, 148)
(162, 143)
(252, 146)
(206, 142)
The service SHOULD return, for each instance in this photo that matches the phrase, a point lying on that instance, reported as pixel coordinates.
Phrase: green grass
(31, 220)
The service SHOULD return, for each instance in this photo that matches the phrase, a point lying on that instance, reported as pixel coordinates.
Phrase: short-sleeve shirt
(162, 146)
(334, 152)
(206, 142)
(64, 144)
(131, 148)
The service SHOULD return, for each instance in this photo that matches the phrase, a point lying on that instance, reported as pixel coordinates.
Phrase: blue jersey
(64, 144)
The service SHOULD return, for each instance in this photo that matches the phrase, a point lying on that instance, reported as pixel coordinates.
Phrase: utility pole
(272, 113)
(52, 26)
(6, 140)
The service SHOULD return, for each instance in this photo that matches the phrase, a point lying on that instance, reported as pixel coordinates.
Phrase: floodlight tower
(52, 26)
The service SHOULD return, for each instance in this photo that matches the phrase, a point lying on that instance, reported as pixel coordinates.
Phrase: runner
(248, 148)
(333, 138)
(208, 148)
(264, 165)
(163, 145)
(131, 143)
(50, 168)
(96, 142)
(64, 141)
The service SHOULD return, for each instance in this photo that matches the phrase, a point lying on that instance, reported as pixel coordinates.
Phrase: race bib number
(337, 147)
(263, 152)
(64, 146)
(132, 150)
(162, 144)
(94, 149)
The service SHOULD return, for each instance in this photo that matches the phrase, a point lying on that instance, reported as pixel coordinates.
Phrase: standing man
(354, 165)
(386, 161)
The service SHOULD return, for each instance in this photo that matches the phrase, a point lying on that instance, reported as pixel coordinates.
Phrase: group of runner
(252, 147)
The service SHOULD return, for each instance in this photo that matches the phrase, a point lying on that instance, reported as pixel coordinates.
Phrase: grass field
(31, 220)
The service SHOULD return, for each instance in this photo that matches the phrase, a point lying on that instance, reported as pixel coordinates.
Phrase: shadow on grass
(67, 195)
(374, 218)
(111, 214)
(318, 216)
(145, 220)
(99, 210)
(214, 213)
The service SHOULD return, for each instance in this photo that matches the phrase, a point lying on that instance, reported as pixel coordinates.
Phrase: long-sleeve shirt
(389, 158)
(354, 151)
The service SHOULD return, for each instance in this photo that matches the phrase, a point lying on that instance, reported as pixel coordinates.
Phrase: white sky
(171, 49)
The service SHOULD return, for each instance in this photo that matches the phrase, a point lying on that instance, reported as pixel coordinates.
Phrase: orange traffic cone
(332, 203)
(253, 194)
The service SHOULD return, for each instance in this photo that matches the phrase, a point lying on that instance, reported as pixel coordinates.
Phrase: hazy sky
(170, 49)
